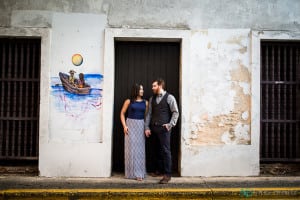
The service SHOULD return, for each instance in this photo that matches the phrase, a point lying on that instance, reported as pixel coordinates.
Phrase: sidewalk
(117, 187)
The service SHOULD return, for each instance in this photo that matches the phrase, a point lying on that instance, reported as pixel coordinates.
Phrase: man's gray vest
(161, 113)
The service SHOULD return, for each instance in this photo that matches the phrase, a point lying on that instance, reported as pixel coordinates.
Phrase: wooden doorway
(20, 61)
(142, 62)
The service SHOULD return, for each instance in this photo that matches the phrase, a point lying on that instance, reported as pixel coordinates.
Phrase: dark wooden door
(280, 102)
(19, 99)
(142, 62)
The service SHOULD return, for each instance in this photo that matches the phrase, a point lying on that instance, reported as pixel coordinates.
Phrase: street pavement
(118, 181)
(34, 187)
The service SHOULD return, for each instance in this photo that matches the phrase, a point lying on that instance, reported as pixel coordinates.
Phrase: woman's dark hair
(135, 90)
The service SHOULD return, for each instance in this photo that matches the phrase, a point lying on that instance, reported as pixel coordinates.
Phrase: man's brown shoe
(156, 174)
(165, 179)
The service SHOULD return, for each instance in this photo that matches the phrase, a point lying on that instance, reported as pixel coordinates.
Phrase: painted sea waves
(76, 105)
(76, 117)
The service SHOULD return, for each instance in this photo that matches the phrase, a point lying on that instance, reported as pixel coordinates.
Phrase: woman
(135, 161)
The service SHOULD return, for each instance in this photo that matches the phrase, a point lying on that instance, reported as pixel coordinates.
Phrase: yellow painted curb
(116, 190)
(149, 190)
(164, 193)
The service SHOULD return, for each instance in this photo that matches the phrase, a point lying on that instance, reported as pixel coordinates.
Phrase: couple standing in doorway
(149, 119)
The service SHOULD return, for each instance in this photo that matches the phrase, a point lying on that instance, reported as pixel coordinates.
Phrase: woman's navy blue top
(136, 109)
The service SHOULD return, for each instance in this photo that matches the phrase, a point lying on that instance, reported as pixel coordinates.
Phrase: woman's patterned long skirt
(135, 156)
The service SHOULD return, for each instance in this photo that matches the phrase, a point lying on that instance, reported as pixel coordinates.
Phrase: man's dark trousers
(163, 153)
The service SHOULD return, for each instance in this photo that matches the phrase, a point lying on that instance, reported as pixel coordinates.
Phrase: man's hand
(167, 126)
(147, 133)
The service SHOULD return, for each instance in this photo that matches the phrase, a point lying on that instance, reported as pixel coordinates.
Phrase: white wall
(74, 144)
(219, 80)
(220, 141)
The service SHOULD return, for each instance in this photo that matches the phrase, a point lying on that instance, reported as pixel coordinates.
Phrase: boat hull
(71, 88)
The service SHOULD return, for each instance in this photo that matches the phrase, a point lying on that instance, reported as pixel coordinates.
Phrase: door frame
(45, 35)
(113, 34)
(256, 38)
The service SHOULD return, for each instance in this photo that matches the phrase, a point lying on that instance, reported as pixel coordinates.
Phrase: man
(161, 117)
(71, 77)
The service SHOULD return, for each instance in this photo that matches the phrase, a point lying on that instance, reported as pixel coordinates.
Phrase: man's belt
(156, 124)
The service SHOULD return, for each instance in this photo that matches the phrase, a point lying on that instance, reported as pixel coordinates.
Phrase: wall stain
(238, 41)
(241, 73)
(243, 50)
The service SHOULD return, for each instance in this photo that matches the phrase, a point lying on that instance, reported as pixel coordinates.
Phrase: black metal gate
(142, 62)
(19, 98)
(280, 102)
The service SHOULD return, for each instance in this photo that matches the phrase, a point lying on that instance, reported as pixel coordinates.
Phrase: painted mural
(76, 95)
(73, 100)
(76, 98)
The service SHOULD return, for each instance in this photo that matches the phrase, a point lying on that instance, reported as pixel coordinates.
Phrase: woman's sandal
(139, 179)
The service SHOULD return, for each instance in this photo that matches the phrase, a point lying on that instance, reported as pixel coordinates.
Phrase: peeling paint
(243, 50)
(246, 87)
(235, 39)
(222, 129)
(245, 115)
(209, 45)
(209, 132)
(241, 41)
(241, 131)
(241, 73)
(227, 137)
(227, 76)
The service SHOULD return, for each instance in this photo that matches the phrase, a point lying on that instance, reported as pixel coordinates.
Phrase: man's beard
(155, 91)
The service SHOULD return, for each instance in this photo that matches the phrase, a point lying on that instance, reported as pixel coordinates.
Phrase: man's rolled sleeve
(174, 110)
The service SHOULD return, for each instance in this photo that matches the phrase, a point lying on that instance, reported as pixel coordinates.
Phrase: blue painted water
(76, 104)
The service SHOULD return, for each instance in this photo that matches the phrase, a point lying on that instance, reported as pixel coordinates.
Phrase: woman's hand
(126, 130)
(122, 115)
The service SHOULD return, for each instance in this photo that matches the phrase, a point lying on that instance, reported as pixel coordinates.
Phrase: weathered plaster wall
(191, 14)
(70, 140)
(220, 106)
(221, 87)
(75, 123)
(220, 125)
(175, 14)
